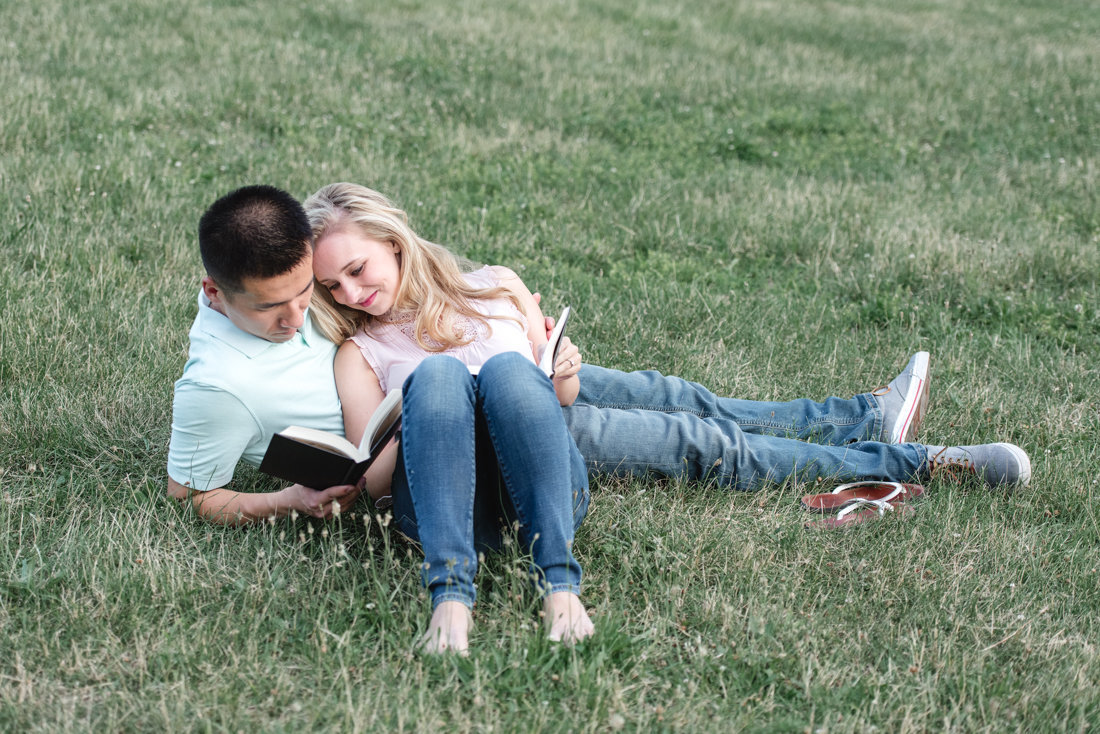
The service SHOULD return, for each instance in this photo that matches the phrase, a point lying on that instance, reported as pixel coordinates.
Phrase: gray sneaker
(904, 401)
(998, 464)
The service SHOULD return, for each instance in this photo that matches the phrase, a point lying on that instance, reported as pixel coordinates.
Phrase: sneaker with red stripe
(904, 401)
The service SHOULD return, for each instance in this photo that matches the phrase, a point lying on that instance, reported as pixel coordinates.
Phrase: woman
(485, 451)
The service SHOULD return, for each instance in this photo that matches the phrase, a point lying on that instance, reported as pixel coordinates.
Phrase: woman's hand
(569, 360)
(566, 383)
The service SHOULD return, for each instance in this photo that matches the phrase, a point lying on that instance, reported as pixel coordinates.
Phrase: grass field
(778, 199)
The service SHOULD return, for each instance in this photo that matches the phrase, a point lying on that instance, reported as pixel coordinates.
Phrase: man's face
(270, 308)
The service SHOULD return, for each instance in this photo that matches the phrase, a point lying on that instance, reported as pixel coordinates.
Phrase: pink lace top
(392, 352)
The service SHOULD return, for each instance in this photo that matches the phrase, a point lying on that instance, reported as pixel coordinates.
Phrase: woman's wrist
(567, 390)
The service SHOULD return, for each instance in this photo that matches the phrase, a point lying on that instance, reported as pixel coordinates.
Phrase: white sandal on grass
(873, 490)
(861, 510)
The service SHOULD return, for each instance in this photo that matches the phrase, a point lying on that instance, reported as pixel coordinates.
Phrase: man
(257, 365)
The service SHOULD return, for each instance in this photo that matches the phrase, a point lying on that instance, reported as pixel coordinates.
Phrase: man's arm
(226, 507)
(210, 432)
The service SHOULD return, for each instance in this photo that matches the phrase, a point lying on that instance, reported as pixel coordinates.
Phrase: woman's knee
(510, 376)
(439, 368)
(506, 365)
(440, 388)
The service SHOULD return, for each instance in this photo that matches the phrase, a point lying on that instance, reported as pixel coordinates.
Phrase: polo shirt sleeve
(211, 430)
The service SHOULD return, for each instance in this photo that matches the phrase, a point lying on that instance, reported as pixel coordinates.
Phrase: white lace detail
(392, 351)
(395, 317)
(469, 330)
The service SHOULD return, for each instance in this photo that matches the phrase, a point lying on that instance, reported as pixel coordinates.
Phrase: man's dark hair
(253, 232)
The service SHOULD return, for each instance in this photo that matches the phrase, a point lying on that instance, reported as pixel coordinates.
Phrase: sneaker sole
(909, 419)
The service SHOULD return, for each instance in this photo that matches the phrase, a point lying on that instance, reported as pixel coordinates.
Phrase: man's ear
(214, 293)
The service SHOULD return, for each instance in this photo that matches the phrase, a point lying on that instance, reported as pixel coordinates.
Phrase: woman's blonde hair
(432, 286)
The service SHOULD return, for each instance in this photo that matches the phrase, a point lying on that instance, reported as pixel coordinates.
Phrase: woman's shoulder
(359, 340)
(490, 276)
(349, 351)
(502, 274)
(364, 353)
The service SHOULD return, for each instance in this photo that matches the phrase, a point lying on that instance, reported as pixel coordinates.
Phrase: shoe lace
(949, 467)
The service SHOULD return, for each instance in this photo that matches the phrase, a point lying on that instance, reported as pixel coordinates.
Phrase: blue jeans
(644, 423)
(481, 454)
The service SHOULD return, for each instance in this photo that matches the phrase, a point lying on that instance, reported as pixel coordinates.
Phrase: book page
(387, 412)
(323, 440)
(553, 346)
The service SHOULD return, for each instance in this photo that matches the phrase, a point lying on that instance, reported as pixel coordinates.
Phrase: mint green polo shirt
(238, 389)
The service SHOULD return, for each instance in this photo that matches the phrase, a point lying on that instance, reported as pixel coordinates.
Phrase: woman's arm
(566, 382)
(360, 395)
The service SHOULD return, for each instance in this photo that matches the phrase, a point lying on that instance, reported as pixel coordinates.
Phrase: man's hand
(226, 507)
(321, 503)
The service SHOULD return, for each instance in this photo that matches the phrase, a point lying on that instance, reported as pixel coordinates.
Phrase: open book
(550, 354)
(319, 459)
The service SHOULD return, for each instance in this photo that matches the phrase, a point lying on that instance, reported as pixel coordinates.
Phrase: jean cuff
(548, 589)
(451, 594)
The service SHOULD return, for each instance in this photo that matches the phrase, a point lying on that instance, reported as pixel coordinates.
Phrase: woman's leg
(545, 479)
(439, 456)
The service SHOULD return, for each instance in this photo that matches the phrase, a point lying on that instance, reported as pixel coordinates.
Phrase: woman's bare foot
(566, 619)
(449, 629)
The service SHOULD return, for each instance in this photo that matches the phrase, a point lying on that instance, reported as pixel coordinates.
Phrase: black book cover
(319, 468)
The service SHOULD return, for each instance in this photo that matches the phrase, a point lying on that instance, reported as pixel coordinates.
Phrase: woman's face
(360, 272)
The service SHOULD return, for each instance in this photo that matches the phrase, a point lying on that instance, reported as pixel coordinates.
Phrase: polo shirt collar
(221, 328)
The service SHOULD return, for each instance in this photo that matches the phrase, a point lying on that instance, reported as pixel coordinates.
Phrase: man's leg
(635, 442)
(682, 445)
(835, 421)
(891, 414)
